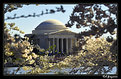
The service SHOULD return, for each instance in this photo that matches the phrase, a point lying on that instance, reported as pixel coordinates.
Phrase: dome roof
(51, 24)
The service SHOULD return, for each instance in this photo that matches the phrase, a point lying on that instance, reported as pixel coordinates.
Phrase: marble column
(53, 44)
(67, 45)
(70, 45)
(57, 44)
(75, 40)
(62, 45)
(49, 43)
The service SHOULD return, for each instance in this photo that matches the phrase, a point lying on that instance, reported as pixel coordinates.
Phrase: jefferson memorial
(53, 32)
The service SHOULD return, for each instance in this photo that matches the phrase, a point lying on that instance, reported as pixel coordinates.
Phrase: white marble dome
(48, 26)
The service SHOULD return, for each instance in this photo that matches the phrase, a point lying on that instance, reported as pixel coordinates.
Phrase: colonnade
(55, 41)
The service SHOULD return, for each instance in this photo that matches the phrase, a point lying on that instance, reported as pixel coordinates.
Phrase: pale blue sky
(28, 24)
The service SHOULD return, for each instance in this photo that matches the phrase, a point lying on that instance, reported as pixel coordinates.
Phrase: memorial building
(53, 32)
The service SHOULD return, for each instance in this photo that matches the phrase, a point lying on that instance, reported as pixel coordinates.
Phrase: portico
(61, 45)
(64, 40)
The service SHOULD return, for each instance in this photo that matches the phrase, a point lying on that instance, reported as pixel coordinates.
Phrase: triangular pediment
(63, 32)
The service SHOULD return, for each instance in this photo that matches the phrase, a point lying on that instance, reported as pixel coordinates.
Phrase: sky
(29, 24)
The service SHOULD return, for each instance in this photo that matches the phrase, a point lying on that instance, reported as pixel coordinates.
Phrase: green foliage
(51, 48)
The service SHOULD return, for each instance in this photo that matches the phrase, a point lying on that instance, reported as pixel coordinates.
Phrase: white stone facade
(53, 32)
